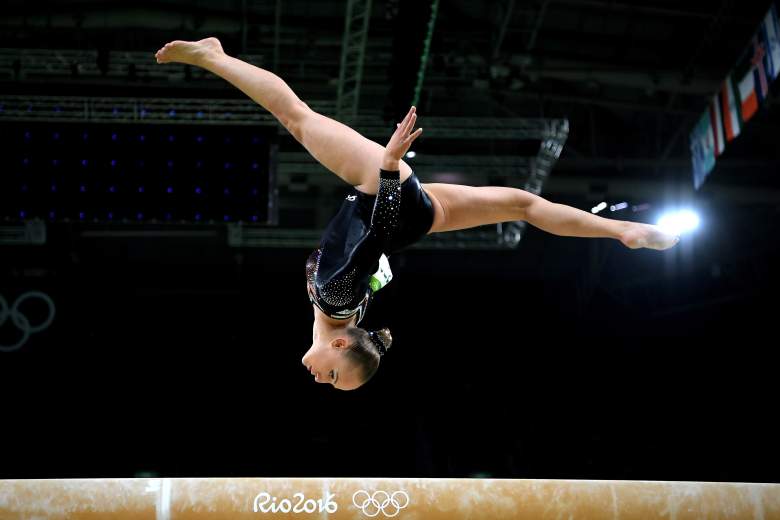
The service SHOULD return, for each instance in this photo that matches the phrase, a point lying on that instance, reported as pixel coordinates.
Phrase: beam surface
(356, 498)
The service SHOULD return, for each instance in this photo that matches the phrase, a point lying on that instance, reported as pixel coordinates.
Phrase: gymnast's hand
(402, 139)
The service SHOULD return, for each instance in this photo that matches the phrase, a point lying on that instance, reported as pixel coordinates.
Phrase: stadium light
(678, 222)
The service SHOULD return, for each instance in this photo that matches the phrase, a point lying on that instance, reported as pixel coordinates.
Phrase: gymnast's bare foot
(644, 235)
(191, 53)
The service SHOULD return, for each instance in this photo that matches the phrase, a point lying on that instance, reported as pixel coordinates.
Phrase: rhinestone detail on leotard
(339, 296)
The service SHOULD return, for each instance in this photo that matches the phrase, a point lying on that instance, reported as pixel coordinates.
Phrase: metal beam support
(592, 101)
(28, 233)
(537, 26)
(502, 31)
(244, 26)
(629, 7)
(245, 112)
(241, 235)
(353, 50)
(277, 32)
(607, 74)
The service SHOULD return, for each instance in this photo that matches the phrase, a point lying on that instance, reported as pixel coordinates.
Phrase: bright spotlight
(598, 208)
(679, 222)
(410, 154)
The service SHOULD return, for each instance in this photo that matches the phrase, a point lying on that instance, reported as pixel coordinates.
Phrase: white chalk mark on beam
(164, 499)
(325, 494)
(614, 502)
(758, 513)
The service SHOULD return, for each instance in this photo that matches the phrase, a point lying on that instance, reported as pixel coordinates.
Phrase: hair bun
(385, 337)
(381, 339)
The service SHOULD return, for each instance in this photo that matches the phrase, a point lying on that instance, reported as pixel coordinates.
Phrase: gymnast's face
(326, 361)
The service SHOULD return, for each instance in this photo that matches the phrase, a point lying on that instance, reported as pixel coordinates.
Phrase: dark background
(563, 358)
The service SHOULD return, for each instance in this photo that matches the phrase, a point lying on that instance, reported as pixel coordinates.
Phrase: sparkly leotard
(366, 226)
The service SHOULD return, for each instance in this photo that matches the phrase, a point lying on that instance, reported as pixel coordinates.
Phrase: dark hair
(366, 349)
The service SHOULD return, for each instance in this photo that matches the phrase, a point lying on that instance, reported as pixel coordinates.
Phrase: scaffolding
(529, 173)
(353, 52)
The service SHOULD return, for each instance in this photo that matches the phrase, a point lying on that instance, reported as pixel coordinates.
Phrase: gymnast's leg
(461, 207)
(339, 148)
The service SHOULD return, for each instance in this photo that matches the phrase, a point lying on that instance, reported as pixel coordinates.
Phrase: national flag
(769, 32)
(716, 122)
(747, 96)
(702, 149)
(744, 78)
(759, 68)
(730, 111)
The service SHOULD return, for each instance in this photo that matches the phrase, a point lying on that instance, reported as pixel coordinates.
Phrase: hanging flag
(702, 149)
(744, 76)
(728, 103)
(747, 96)
(759, 62)
(716, 122)
(739, 98)
(769, 32)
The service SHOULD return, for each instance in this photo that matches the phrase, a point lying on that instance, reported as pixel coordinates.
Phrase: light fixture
(678, 222)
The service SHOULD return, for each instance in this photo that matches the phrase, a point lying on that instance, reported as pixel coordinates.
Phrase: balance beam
(359, 498)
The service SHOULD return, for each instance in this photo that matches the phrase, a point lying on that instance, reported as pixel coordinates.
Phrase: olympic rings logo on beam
(380, 502)
(20, 319)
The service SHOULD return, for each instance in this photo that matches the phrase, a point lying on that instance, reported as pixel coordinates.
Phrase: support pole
(425, 53)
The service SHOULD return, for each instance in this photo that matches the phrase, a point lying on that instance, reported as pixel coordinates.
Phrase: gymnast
(388, 209)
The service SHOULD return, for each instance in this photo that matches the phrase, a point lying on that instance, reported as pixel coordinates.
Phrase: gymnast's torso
(365, 227)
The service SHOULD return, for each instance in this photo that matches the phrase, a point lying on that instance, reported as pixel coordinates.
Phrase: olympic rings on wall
(20, 319)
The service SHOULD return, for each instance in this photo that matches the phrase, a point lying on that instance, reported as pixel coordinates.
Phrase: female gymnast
(387, 210)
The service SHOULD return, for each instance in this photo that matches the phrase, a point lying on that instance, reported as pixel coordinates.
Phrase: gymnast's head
(349, 359)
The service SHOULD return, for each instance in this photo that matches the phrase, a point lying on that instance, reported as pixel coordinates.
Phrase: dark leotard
(366, 226)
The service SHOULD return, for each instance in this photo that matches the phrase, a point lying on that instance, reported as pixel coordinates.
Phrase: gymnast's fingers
(409, 121)
(414, 135)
